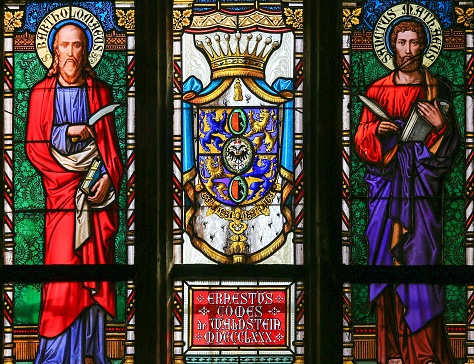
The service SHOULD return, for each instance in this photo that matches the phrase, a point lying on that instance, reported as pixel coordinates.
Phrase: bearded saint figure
(405, 188)
(79, 228)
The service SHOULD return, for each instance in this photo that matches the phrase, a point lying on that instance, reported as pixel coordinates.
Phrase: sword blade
(99, 114)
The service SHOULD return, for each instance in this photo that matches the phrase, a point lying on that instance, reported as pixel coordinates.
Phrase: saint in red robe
(62, 302)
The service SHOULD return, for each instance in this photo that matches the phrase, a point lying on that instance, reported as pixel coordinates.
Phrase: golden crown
(237, 63)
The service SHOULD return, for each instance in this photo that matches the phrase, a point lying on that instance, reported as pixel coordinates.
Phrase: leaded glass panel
(238, 136)
(238, 321)
(69, 167)
(407, 173)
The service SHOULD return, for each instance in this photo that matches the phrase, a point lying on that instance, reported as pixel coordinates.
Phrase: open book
(416, 129)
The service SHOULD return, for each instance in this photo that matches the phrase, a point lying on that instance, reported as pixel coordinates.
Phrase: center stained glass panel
(238, 136)
(238, 178)
(238, 321)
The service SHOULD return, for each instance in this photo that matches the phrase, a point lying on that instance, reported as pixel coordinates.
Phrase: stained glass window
(238, 137)
(224, 162)
(69, 105)
(237, 179)
(407, 171)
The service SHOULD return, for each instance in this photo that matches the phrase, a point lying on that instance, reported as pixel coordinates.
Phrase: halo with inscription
(75, 15)
(400, 12)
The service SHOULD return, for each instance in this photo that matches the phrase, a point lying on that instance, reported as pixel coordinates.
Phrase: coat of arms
(237, 151)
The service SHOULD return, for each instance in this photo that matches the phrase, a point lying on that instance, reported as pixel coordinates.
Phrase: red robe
(62, 302)
(398, 101)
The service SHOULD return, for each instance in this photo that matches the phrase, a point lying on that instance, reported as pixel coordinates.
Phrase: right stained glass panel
(407, 175)
(386, 329)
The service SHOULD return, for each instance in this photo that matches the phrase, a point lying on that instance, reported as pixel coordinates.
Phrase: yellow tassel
(238, 91)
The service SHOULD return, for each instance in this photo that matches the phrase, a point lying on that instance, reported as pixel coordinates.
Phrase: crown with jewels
(237, 63)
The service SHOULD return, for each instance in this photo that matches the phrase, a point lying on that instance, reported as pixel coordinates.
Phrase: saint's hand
(82, 132)
(100, 189)
(386, 127)
(432, 113)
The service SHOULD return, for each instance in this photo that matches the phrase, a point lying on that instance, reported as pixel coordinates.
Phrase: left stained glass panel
(48, 103)
(69, 162)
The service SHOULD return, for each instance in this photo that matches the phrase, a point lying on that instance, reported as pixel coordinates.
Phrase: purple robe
(405, 185)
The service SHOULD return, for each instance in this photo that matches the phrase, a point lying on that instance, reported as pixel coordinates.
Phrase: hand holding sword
(84, 131)
(80, 132)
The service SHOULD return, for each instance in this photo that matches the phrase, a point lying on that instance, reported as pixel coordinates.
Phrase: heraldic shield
(238, 160)
(237, 149)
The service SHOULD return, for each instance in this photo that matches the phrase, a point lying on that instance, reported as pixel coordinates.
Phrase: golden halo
(400, 12)
(75, 15)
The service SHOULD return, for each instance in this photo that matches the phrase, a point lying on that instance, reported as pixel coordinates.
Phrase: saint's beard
(408, 63)
(70, 69)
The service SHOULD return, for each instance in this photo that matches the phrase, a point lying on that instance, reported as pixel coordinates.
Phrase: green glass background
(29, 197)
(28, 300)
(362, 312)
(29, 194)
